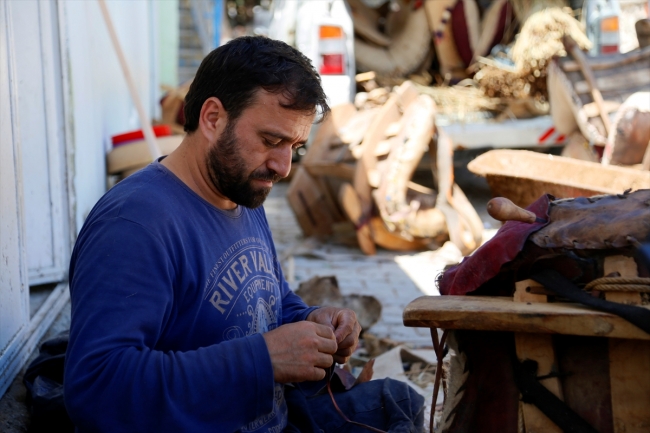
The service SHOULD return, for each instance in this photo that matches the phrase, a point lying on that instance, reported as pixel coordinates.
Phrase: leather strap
(557, 283)
(533, 392)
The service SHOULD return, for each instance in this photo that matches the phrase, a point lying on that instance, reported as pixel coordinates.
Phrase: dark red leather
(486, 262)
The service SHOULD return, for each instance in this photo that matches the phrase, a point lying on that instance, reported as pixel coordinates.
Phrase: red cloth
(486, 262)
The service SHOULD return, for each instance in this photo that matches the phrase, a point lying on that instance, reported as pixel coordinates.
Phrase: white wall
(98, 101)
(63, 96)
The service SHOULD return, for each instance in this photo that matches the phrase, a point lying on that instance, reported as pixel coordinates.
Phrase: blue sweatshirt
(170, 296)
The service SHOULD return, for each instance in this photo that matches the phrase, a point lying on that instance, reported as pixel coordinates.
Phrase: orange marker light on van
(609, 24)
(331, 32)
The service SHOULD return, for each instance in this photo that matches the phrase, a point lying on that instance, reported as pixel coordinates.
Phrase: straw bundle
(545, 22)
(541, 38)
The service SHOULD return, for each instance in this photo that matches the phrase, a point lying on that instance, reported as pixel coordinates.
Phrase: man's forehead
(267, 108)
(277, 100)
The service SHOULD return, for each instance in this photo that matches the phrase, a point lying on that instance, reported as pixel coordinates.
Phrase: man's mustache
(267, 175)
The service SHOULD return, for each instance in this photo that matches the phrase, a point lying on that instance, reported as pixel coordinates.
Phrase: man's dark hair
(236, 70)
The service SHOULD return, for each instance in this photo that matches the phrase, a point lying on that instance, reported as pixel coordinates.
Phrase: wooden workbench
(559, 337)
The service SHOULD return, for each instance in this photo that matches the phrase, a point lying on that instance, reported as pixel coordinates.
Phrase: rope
(620, 284)
(336, 406)
(438, 347)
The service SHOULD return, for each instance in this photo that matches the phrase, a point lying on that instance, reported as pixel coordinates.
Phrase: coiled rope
(620, 284)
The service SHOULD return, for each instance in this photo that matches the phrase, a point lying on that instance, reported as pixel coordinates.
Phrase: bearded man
(181, 317)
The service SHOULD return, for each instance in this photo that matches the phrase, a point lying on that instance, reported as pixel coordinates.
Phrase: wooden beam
(502, 314)
(628, 362)
(149, 135)
(573, 48)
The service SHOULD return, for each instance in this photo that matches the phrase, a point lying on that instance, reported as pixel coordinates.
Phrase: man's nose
(280, 160)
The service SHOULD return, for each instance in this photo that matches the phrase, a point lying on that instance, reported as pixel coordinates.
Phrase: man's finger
(317, 374)
(344, 352)
(328, 346)
(345, 324)
(324, 361)
(349, 343)
(325, 331)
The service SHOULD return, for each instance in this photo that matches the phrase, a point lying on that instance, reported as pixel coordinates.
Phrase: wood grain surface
(502, 314)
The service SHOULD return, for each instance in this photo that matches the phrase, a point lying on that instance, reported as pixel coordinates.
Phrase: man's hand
(346, 329)
(300, 351)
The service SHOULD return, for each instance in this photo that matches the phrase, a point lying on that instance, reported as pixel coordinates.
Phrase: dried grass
(538, 42)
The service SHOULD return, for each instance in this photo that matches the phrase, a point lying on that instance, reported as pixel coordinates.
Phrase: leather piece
(486, 262)
(602, 222)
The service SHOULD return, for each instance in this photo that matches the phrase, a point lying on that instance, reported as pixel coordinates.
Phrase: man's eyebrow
(281, 136)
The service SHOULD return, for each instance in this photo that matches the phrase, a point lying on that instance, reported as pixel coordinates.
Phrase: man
(181, 318)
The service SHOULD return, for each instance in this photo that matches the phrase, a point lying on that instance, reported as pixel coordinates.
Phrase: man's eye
(272, 143)
(297, 146)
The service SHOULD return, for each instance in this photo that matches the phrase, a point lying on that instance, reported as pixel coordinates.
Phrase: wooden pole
(149, 135)
(572, 47)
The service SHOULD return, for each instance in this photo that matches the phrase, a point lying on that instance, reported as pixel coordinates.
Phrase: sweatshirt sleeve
(116, 379)
(294, 308)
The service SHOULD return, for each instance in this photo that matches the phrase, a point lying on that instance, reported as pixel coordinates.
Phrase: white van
(323, 31)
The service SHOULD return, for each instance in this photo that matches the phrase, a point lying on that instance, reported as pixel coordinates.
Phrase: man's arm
(118, 378)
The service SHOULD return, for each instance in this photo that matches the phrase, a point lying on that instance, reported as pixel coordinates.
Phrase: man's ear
(212, 119)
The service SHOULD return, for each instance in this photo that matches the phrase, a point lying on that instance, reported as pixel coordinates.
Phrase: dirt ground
(14, 416)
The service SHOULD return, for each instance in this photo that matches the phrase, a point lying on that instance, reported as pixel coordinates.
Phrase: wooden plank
(529, 291)
(628, 362)
(390, 112)
(626, 266)
(351, 205)
(539, 348)
(502, 314)
(585, 382)
(630, 383)
(310, 205)
(14, 286)
(328, 132)
(592, 84)
(640, 78)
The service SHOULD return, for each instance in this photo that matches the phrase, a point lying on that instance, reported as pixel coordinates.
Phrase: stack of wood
(356, 178)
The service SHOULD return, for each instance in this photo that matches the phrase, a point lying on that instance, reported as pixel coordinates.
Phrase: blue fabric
(170, 296)
(386, 404)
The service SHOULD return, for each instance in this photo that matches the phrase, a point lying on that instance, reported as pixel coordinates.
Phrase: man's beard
(227, 171)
